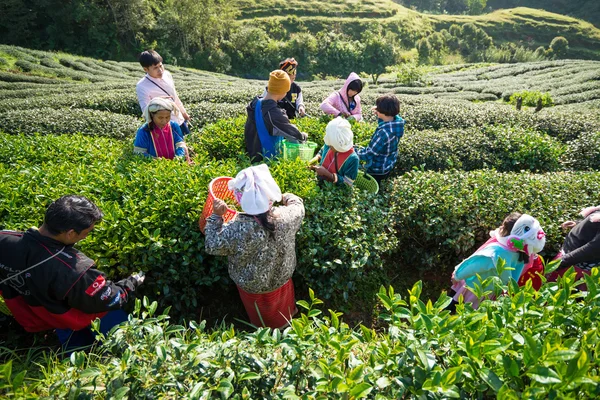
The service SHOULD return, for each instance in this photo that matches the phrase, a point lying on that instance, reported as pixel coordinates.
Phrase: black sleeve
(93, 293)
(282, 125)
(587, 253)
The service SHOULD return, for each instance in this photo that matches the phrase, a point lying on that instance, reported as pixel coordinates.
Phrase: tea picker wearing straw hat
(260, 245)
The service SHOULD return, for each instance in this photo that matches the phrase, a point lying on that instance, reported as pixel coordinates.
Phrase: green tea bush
(111, 67)
(525, 344)
(220, 93)
(531, 98)
(440, 218)
(579, 88)
(456, 114)
(565, 126)
(345, 236)
(466, 95)
(18, 52)
(37, 149)
(61, 73)
(107, 70)
(315, 128)
(409, 74)
(25, 52)
(221, 140)
(77, 65)
(129, 66)
(69, 120)
(63, 87)
(116, 101)
(206, 112)
(561, 80)
(580, 97)
(14, 77)
(500, 147)
(505, 148)
(429, 220)
(120, 101)
(50, 62)
(8, 87)
(582, 153)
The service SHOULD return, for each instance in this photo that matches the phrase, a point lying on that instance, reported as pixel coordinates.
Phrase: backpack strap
(158, 86)
(267, 141)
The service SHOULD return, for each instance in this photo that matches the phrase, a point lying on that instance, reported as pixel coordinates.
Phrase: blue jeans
(72, 340)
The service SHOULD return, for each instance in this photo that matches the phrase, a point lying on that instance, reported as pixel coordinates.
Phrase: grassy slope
(533, 27)
(530, 26)
(333, 8)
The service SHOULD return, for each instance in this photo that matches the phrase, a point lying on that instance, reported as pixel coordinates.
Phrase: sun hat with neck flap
(159, 104)
(279, 82)
(338, 134)
(255, 189)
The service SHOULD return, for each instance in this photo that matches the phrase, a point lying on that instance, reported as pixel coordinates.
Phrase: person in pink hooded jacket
(345, 102)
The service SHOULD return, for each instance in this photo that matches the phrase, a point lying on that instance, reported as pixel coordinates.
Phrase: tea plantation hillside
(468, 158)
(247, 38)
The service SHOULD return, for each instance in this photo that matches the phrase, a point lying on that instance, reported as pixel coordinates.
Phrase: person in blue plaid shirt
(382, 153)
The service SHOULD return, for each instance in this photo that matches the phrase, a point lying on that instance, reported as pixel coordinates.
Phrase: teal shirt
(483, 262)
(348, 171)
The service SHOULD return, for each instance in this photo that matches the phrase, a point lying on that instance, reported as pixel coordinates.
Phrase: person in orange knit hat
(267, 124)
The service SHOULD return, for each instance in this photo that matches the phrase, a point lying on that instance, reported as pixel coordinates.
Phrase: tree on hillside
(476, 7)
(378, 54)
(195, 26)
(472, 7)
(474, 41)
(252, 51)
(338, 54)
(438, 48)
(559, 47)
(303, 47)
(133, 20)
(18, 22)
(454, 35)
(77, 26)
(457, 6)
(424, 49)
(588, 10)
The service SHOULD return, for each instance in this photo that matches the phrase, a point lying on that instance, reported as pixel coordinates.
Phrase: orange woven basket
(217, 188)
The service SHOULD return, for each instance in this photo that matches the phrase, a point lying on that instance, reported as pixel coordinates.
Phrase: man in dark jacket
(276, 122)
(48, 284)
(581, 249)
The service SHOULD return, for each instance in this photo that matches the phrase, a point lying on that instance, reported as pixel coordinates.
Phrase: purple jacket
(337, 102)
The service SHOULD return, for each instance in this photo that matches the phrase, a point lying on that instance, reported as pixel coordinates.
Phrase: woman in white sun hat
(338, 162)
(260, 244)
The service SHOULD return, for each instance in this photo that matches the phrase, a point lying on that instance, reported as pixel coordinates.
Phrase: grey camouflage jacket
(258, 262)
